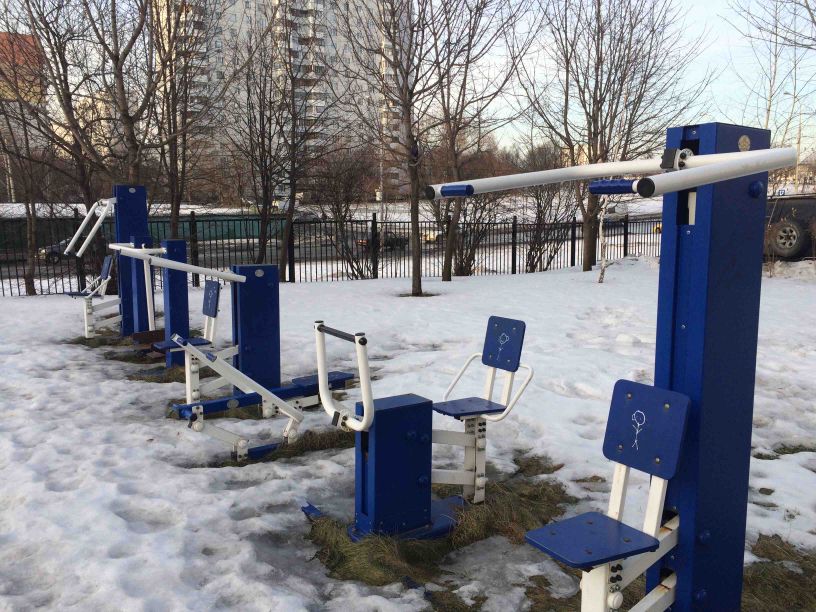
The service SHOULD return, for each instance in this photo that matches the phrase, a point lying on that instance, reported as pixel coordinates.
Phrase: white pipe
(593, 171)
(69, 249)
(160, 262)
(151, 308)
(330, 405)
(108, 204)
(763, 161)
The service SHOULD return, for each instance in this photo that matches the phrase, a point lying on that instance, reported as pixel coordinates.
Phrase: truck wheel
(787, 238)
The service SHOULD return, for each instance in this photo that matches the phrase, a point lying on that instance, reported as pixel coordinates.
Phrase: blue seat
(467, 407)
(644, 431)
(309, 384)
(589, 540)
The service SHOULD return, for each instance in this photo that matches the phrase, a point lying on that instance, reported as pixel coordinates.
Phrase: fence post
(80, 261)
(375, 247)
(515, 245)
(291, 249)
(626, 236)
(573, 232)
(194, 247)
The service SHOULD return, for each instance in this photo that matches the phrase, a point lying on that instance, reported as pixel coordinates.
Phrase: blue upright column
(138, 288)
(392, 467)
(708, 315)
(176, 307)
(256, 324)
(130, 219)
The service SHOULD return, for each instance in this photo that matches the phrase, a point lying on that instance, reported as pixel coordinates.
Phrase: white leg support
(240, 445)
(595, 590)
(192, 380)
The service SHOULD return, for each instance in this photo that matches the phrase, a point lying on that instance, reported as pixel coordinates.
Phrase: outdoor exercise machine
(129, 208)
(394, 438)
(98, 315)
(251, 365)
(691, 432)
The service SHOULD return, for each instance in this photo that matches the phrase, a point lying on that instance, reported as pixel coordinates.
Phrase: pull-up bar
(149, 255)
(691, 171)
(107, 204)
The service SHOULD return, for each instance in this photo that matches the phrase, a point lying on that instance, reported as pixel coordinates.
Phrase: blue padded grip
(612, 186)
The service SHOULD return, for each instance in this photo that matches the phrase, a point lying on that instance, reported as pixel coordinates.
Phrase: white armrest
(456, 379)
(498, 417)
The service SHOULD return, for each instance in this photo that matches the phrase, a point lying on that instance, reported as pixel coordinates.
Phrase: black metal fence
(328, 250)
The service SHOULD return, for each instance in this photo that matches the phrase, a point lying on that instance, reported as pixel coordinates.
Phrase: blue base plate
(443, 520)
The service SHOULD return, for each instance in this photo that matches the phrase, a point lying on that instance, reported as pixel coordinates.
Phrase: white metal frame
(473, 476)
(342, 416)
(271, 405)
(107, 205)
(599, 592)
(695, 170)
(99, 315)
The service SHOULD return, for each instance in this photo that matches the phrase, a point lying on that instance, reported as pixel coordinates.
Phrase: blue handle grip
(612, 186)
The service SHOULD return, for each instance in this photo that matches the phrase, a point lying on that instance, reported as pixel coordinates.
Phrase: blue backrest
(106, 267)
(503, 343)
(646, 427)
(212, 289)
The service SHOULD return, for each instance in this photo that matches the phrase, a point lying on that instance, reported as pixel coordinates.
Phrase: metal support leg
(192, 381)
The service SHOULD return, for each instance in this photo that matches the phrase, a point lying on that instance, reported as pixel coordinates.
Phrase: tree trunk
(416, 253)
(590, 233)
(31, 249)
(287, 230)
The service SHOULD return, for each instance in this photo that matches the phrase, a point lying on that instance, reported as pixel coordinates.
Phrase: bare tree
(339, 186)
(553, 208)
(477, 48)
(612, 83)
(780, 91)
(385, 60)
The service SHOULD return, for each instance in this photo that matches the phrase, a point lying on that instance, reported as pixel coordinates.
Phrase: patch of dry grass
(512, 508)
(782, 581)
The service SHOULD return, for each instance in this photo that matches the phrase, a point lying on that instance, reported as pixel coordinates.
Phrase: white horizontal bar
(221, 434)
(453, 438)
(160, 262)
(107, 305)
(759, 161)
(636, 566)
(607, 169)
(659, 598)
(452, 477)
(213, 385)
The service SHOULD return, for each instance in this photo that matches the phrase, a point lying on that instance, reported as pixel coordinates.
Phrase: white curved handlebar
(498, 417)
(341, 415)
(461, 373)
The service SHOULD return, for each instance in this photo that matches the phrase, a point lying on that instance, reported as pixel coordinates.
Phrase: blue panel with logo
(503, 343)
(212, 290)
(646, 427)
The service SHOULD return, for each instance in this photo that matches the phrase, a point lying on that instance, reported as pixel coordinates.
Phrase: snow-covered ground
(102, 506)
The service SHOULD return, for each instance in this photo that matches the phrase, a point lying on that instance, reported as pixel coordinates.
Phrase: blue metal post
(708, 315)
(137, 283)
(256, 324)
(393, 473)
(130, 219)
(176, 307)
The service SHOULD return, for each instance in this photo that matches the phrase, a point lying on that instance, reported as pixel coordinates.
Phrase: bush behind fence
(327, 250)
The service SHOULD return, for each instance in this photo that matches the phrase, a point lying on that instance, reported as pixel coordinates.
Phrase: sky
(727, 55)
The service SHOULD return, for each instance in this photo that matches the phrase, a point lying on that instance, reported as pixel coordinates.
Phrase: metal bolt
(688, 232)
(666, 406)
(657, 459)
(620, 447)
(683, 326)
(628, 396)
